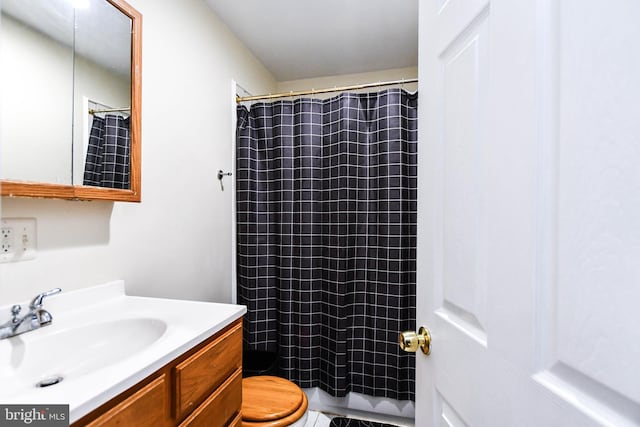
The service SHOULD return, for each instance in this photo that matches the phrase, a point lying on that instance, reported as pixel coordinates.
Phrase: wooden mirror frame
(14, 188)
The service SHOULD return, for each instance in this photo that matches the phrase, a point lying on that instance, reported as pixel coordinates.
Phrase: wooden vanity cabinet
(202, 387)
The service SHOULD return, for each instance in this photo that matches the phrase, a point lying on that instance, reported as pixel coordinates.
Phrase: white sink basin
(72, 352)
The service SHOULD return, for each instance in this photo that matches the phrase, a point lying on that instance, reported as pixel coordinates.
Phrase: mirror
(71, 99)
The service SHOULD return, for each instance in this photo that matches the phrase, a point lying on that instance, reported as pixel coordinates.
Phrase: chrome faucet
(34, 319)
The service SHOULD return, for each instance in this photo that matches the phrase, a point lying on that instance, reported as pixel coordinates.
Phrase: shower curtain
(107, 162)
(326, 226)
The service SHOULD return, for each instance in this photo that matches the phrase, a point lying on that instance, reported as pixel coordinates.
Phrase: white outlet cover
(20, 237)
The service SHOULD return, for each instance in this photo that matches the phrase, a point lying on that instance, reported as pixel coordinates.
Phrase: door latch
(222, 174)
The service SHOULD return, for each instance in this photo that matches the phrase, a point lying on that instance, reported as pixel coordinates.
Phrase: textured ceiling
(297, 39)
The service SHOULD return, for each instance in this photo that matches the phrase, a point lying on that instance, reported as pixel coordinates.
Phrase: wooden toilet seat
(269, 401)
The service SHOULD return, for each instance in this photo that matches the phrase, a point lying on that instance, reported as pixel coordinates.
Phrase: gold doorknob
(410, 341)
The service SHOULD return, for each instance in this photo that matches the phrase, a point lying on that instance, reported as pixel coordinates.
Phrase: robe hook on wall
(222, 174)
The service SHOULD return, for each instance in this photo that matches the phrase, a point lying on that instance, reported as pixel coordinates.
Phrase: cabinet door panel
(220, 407)
(200, 374)
(141, 409)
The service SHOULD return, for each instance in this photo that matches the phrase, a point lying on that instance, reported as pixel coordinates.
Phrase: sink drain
(49, 381)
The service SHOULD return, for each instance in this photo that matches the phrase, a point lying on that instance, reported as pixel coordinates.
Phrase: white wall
(177, 242)
(36, 130)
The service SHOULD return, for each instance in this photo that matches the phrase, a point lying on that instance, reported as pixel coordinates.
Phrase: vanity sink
(99, 343)
(51, 356)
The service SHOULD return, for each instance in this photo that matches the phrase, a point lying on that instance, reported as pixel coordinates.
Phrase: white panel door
(529, 213)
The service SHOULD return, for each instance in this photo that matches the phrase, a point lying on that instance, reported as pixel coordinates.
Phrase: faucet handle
(43, 317)
(37, 301)
(15, 310)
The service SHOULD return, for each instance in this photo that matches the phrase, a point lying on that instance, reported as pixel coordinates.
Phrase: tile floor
(319, 419)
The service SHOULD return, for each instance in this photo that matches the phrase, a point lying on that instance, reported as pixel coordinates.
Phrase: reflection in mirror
(102, 91)
(37, 90)
(71, 93)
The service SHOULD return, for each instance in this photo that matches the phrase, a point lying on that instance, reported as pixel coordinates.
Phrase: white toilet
(269, 401)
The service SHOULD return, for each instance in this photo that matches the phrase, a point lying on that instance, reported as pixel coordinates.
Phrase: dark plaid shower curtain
(326, 226)
(107, 162)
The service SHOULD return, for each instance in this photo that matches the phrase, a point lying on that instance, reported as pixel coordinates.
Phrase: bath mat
(350, 422)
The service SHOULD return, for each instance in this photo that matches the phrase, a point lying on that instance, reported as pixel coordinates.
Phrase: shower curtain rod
(240, 99)
(109, 110)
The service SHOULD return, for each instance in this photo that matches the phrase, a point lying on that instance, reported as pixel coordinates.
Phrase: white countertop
(187, 324)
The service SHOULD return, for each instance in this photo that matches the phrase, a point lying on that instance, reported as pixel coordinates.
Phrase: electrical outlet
(17, 239)
(6, 240)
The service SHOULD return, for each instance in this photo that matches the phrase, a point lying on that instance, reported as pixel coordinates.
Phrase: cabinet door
(146, 407)
(200, 374)
(220, 407)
